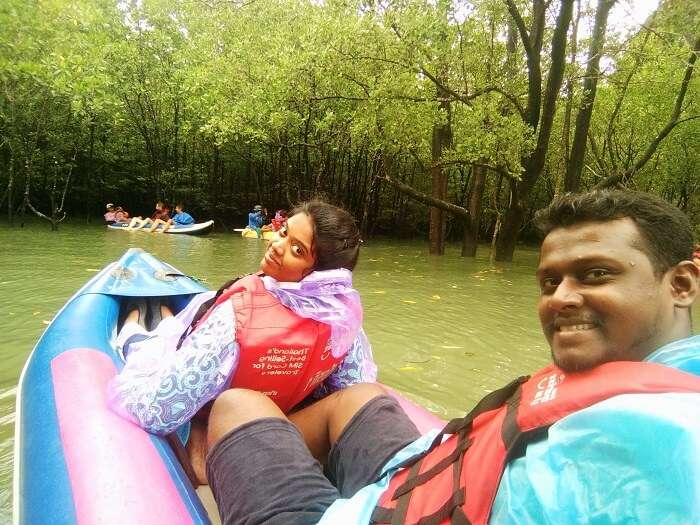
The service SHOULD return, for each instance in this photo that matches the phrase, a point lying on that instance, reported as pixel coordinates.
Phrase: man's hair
(665, 230)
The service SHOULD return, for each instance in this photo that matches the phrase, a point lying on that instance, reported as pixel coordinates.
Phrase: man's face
(600, 299)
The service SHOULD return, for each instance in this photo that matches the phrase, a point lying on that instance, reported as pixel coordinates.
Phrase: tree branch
(673, 121)
(426, 199)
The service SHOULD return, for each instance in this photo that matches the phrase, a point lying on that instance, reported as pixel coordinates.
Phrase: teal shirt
(634, 458)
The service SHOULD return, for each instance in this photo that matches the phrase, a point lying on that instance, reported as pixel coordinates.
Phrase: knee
(235, 407)
(359, 394)
(235, 399)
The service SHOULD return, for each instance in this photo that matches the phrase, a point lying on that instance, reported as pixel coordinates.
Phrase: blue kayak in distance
(199, 228)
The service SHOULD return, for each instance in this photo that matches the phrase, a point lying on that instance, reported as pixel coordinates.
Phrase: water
(445, 330)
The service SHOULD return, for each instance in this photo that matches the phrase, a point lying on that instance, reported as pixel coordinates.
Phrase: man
(608, 433)
(256, 218)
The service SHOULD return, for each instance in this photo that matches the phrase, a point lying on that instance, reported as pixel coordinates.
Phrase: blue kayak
(75, 460)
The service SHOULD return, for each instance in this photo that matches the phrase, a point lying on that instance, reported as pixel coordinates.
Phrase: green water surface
(445, 330)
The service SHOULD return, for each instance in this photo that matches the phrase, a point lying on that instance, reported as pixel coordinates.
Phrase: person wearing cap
(109, 215)
(120, 215)
(256, 218)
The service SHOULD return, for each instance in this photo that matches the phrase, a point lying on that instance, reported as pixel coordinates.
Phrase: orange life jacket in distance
(282, 355)
(456, 481)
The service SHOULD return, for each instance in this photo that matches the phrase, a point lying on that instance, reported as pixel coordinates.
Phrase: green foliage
(224, 104)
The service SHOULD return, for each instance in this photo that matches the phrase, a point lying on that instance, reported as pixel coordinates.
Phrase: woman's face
(289, 256)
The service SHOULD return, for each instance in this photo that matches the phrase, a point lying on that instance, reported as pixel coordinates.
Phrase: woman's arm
(357, 367)
(161, 388)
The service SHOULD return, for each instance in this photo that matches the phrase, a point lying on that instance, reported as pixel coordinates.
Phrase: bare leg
(323, 422)
(133, 223)
(320, 423)
(166, 226)
(197, 450)
(132, 317)
(144, 222)
(165, 311)
(155, 225)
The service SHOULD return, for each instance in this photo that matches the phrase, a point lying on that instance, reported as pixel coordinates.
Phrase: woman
(162, 212)
(293, 332)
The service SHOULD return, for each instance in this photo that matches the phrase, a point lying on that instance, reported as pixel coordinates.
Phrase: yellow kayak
(252, 234)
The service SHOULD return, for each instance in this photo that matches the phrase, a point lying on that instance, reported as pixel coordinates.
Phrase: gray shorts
(262, 472)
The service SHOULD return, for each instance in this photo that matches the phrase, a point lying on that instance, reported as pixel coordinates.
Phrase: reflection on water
(445, 330)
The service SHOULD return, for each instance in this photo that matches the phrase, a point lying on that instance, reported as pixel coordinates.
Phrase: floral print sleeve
(161, 388)
(357, 367)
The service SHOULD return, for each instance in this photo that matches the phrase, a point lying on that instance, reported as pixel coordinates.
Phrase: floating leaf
(436, 297)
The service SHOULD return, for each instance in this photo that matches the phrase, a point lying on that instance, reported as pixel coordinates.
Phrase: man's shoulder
(683, 354)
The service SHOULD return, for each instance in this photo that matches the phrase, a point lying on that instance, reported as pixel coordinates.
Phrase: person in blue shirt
(617, 284)
(181, 218)
(256, 218)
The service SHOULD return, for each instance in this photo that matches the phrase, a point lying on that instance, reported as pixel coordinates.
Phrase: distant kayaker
(161, 212)
(277, 221)
(256, 218)
(115, 214)
(608, 433)
(109, 214)
(181, 218)
(120, 215)
(292, 331)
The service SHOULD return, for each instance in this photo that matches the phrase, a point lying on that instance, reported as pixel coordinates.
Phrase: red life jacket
(497, 430)
(282, 355)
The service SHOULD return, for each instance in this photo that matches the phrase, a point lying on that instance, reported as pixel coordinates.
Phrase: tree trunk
(442, 136)
(534, 163)
(583, 119)
(471, 227)
(10, 185)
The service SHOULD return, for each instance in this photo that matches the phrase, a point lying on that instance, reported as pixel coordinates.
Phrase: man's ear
(685, 283)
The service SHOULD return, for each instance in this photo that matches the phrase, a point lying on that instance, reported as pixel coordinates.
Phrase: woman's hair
(336, 244)
(336, 241)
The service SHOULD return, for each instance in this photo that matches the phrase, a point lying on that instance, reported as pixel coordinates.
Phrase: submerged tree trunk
(10, 185)
(442, 137)
(471, 227)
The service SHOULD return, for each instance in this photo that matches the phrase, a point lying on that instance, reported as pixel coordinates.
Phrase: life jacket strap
(448, 460)
(491, 401)
(455, 501)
